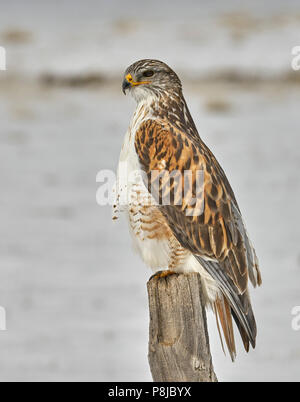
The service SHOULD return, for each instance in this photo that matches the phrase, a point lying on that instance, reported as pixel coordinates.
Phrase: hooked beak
(125, 85)
(128, 82)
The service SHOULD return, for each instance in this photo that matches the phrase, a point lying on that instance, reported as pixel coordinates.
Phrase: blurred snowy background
(74, 291)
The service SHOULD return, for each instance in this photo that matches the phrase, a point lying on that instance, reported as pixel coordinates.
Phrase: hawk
(197, 230)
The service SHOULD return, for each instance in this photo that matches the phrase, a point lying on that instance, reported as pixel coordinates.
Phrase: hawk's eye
(148, 73)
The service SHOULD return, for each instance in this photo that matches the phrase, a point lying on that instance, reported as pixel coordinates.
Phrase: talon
(162, 274)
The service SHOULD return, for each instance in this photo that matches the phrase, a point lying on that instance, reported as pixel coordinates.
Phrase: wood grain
(178, 337)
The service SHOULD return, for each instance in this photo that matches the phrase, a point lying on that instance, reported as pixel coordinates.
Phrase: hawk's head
(150, 77)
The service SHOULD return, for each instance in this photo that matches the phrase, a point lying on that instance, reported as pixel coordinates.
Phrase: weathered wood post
(178, 344)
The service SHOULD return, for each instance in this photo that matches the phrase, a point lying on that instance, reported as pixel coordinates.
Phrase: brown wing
(205, 219)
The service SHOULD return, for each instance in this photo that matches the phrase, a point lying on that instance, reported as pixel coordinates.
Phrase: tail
(230, 304)
(224, 314)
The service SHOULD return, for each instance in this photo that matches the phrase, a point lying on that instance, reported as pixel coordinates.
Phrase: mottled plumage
(198, 230)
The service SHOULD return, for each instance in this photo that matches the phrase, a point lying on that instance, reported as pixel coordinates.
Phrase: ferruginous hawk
(200, 227)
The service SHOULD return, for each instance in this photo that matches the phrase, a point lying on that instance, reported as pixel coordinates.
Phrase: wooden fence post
(178, 338)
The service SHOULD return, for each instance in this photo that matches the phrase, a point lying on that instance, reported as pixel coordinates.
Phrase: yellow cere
(133, 83)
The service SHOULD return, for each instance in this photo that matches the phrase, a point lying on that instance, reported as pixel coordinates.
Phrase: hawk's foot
(162, 274)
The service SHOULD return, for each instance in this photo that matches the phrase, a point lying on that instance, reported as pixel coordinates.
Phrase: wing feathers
(240, 303)
(217, 237)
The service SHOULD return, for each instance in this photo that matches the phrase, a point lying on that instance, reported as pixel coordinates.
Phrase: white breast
(132, 198)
